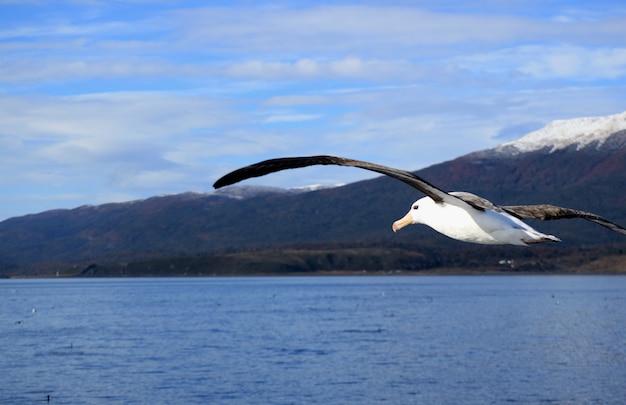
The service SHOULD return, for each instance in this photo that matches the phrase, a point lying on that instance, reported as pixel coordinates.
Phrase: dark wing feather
(475, 201)
(275, 165)
(547, 212)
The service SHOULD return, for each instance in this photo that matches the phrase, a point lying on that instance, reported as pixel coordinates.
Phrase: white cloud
(546, 62)
(144, 179)
(379, 30)
(277, 118)
(297, 100)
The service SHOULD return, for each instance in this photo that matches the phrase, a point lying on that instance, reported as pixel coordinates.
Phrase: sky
(112, 101)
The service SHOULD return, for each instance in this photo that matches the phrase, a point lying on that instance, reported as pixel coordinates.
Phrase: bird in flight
(459, 215)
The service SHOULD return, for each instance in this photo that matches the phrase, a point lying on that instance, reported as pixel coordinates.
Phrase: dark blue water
(317, 340)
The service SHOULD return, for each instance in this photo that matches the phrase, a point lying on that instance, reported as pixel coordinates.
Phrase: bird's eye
(416, 206)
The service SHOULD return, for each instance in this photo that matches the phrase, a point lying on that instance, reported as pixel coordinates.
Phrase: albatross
(459, 215)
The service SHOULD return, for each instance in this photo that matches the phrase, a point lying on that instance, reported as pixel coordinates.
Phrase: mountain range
(579, 163)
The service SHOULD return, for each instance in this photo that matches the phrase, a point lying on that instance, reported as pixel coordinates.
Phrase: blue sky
(107, 101)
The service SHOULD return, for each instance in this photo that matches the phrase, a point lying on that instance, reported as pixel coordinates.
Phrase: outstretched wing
(275, 165)
(547, 212)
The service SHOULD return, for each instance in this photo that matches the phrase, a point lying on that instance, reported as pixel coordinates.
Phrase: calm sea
(314, 340)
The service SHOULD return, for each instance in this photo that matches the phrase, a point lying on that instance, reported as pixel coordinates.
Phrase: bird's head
(414, 216)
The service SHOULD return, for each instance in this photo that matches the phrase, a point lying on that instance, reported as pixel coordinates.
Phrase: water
(314, 340)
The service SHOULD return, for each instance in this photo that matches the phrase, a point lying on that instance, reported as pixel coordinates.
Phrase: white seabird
(459, 215)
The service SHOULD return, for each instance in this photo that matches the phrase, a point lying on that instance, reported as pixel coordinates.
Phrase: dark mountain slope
(359, 214)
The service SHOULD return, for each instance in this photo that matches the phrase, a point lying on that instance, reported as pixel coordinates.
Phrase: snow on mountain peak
(561, 134)
(247, 191)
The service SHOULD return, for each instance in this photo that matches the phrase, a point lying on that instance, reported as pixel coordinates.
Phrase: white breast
(472, 225)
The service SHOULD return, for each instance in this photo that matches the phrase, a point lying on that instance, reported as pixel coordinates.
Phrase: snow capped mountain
(561, 134)
(245, 191)
(315, 187)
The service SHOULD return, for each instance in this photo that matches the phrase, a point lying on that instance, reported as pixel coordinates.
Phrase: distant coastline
(348, 261)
